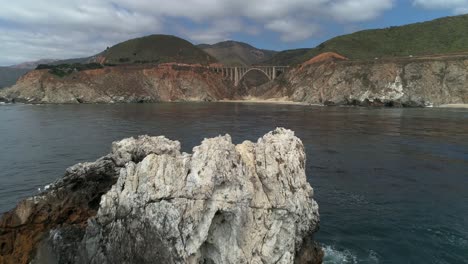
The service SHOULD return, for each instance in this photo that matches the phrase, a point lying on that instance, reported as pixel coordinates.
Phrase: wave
(345, 256)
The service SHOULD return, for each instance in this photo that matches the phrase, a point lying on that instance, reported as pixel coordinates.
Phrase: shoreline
(453, 106)
(277, 101)
(260, 101)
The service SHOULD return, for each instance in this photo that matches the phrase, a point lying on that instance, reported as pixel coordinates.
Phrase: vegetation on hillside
(234, 53)
(156, 49)
(63, 70)
(440, 36)
(288, 57)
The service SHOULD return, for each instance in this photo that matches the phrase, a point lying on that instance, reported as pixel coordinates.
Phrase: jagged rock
(3, 100)
(224, 203)
(70, 201)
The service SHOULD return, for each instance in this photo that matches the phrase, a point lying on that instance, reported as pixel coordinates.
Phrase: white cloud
(32, 29)
(358, 10)
(218, 30)
(292, 30)
(457, 6)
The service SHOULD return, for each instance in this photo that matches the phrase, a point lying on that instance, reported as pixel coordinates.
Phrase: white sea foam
(44, 189)
(335, 256)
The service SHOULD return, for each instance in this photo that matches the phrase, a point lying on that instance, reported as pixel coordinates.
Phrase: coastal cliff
(328, 79)
(146, 201)
(412, 82)
(121, 84)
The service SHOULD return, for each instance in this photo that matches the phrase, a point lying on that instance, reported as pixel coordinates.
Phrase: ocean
(391, 184)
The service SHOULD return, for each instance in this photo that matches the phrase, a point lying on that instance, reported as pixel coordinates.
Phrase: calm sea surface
(392, 184)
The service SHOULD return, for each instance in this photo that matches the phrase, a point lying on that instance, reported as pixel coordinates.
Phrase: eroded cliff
(122, 84)
(397, 82)
(147, 202)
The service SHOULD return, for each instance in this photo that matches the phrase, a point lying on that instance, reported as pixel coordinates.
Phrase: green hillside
(288, 57)
(156, 49)
(440, 36)
(236, 53)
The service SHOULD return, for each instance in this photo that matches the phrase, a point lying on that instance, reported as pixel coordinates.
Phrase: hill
(30, 65)
(74, 61)
(9, 76)
(235, 53)
(289, 57)
(440, 36)
(155, 49)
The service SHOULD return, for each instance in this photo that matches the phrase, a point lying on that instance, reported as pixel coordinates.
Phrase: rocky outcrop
(397, 82)
(122, 84)
(146, 201)
(69, 202)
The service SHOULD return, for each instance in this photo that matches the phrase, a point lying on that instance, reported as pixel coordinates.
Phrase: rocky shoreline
(121, 84)
(146, 201)
(328, 81)
(402, 82)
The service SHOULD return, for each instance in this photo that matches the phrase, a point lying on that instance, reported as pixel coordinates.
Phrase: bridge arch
(254, 69)
(236, 74)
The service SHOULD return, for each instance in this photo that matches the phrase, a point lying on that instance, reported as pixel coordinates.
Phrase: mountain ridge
(236, 53)
(9, 76)
(439, 36)
(31, 65)
(155, 48)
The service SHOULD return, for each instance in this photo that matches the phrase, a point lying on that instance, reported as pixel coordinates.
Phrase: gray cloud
(64, 28)
(217, 30)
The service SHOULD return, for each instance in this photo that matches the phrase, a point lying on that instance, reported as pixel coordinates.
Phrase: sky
(61, 29)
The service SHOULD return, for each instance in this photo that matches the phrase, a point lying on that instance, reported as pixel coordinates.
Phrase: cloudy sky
(35, 29)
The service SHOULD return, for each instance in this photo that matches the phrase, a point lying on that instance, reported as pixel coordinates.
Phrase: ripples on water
(391, 183)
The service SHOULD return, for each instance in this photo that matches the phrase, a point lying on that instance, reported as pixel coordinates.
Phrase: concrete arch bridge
(236, 74)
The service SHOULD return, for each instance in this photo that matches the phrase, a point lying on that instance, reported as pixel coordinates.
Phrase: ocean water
(392, 184)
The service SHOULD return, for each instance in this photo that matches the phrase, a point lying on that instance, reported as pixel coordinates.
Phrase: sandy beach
(281, 101)
(454, 106)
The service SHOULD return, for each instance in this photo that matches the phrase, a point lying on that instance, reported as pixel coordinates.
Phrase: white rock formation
(249, 203)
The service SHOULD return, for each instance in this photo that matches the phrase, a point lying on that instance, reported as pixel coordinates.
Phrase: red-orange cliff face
(135, 83)
(327, 56)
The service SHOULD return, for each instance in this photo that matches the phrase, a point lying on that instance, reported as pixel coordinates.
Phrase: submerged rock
(146, 202)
